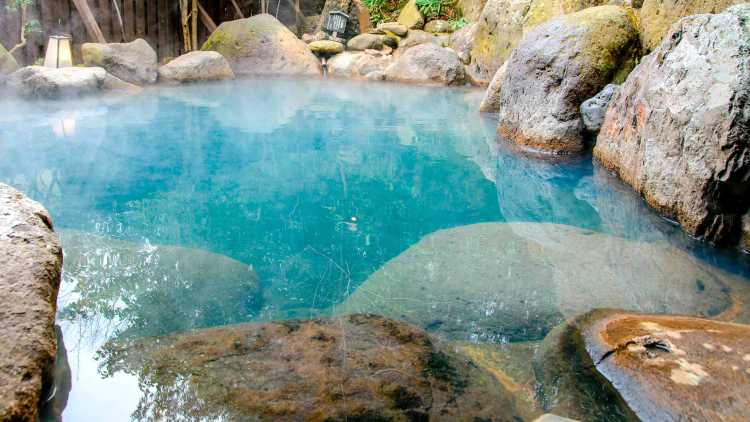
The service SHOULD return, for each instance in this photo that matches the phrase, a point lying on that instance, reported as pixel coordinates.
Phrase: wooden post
(206, 19)
(194, 15)
(237, 9)
(184, 18)
(89, 21)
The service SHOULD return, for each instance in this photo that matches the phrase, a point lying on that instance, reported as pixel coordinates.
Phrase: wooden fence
(156, 21)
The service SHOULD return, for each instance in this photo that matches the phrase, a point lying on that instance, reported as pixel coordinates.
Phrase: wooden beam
(206, 19)
(89, 21)
(237, 9)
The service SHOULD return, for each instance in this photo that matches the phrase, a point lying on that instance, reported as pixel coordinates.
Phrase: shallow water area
(184, 208)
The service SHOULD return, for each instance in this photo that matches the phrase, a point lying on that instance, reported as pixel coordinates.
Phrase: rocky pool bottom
(227, 244)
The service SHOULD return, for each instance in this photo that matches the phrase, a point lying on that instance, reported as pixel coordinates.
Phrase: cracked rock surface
(31, 259)
(653, 367)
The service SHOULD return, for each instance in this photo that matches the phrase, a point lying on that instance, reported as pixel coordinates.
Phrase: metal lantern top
(337, 21)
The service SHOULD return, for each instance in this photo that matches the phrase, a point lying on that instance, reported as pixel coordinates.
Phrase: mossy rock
(326, 47)
(559, 65)
(658, 16)
(503, 23)
(261, 45)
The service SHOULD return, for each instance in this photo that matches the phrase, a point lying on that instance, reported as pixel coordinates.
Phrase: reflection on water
(191, 207)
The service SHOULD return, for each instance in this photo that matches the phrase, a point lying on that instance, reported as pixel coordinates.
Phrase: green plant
(431, 9)
(457, 24)
(377, 10)
(27, 26)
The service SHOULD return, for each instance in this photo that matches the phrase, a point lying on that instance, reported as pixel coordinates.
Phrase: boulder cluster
(672, 124)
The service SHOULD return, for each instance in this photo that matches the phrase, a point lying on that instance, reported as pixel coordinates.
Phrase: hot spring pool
(201, 206)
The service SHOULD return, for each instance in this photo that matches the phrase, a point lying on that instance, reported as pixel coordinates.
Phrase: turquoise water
(299, 189)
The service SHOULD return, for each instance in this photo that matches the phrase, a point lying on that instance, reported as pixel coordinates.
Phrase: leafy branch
(27, 26)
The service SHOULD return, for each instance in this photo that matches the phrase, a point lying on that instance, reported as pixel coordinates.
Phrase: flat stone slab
(30, 259)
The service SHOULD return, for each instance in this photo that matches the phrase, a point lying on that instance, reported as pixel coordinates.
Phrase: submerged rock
(677, 130)
(410, 16)
(360, 367)
(31, 259)
(656, 17)
(261, 45)
(196, 66)
(555, 68)
(503, 23)
(8, 64)
(46, 82)
(427, 63)
(619, 365)
(515, 281)
(365, 41)
(594, 109)
(164, 288)
(134, 62)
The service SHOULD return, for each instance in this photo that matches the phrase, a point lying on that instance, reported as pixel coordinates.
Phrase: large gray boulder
(677, 132)
(555, 68)
(196, 66)
(133, 62)
(365, 42)
(31, 259)
(46, 82)
(261, 45)
(358, 65)
(594, 109)
(503, 23)
(416, 37)
(427, 63)
(7, 63)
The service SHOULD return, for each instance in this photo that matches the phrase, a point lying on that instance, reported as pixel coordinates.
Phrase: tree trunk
(184, 18)
(194, 15)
